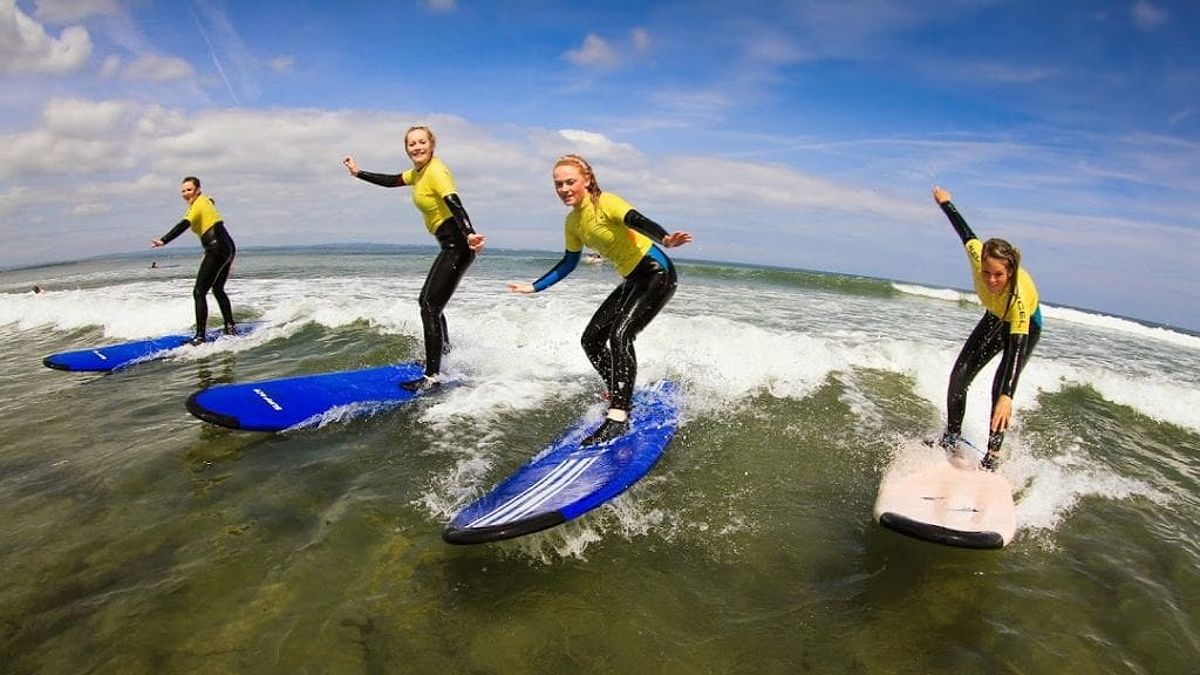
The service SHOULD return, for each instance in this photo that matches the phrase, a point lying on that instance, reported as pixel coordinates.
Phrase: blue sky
(804, 134)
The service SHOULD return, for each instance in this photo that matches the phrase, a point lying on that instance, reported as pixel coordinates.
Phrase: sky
(802, 133)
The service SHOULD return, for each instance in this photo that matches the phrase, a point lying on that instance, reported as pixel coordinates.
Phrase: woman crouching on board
(204, 219)
(1012, 324)
(608, 224)
(436, 198)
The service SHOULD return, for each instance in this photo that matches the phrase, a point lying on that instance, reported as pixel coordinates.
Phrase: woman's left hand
(476, 241)
(677, 239)
(1001, 413)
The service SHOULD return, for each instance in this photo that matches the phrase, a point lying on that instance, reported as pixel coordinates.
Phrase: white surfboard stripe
(547, 494)
(534, 495)
(515, 501)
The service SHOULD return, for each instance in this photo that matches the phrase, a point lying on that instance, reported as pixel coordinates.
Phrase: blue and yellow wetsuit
(626, 238)
(205, 221)
(1012, 324)
(436, 198)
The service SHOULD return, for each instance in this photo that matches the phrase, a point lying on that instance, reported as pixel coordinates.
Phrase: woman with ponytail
(630, 241)
(1011, 323)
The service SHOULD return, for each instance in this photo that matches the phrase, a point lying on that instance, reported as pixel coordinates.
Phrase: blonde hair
(580, 163)
(421, 127)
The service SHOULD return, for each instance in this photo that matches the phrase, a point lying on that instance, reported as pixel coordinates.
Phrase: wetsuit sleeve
(636, 221)
(388, 180)
(460, 213)
(176, 231)
(556, 274)
(959, 223)
(1012, 362)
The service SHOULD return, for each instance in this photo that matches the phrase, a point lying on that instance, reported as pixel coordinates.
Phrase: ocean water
(136, 538)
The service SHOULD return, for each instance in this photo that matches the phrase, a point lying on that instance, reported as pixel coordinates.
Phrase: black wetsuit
(609, 336)
(219, 252)
(992, 335)
(447, 270)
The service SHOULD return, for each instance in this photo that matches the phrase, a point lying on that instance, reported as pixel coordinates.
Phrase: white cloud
(26, 47)
(594, 145)
(1006, 73)
(641, 39)
(158, 68)
(110, 67)
(282, 64)
(1147, 16)
(597, 52)
(1182, 116)
(268, 166)
(91, 209)
(594, 52)
(63, 11)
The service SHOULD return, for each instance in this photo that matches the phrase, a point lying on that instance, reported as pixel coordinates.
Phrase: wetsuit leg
(985, 342)
(996, 438)
(609, 336)
(218, 289)
(214, 270)
(445, 273)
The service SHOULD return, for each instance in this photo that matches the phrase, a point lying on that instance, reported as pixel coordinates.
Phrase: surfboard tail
(482, 535)
(941, 535)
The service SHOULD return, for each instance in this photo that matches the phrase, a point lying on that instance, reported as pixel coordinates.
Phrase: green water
(138, 539)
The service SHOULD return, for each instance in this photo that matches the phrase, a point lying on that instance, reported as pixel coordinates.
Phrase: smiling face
(995, 273)
(570, 184)
(419, 144)
(189, 191)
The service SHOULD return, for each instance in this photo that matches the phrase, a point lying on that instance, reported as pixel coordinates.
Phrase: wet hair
(1006, 253)
(421, 127)
(580, 163)
(191, 179)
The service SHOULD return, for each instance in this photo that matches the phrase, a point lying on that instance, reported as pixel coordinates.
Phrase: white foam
(947, 294)
(1049, 489)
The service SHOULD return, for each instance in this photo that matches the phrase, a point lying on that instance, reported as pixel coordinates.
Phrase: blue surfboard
(565, 480)
(108, 358)
(305, 400)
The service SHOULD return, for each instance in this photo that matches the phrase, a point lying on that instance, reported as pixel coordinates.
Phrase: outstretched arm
(942, 197)
(556, 274)
(380, 179)
(640, 223)
(171, 234)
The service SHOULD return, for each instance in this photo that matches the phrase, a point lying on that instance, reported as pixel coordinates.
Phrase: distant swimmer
(153, 264)
(630, 241)
(38, 289)
(204, 220)
(1011, 323)
(436, 198)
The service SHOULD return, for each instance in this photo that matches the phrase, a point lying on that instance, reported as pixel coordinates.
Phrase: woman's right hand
(155, 243)
(350, 165)
(520, 287)
(939, 195)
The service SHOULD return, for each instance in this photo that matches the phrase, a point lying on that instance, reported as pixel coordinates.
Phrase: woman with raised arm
(205, 221)
(630, 241)
(436, 198)
(1011, 324)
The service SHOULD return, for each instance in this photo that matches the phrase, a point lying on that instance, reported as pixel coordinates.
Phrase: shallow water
(140, 539)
